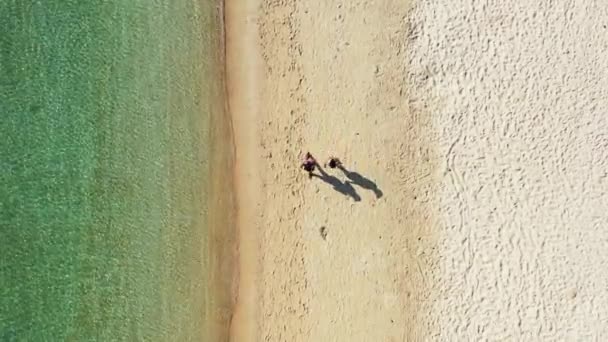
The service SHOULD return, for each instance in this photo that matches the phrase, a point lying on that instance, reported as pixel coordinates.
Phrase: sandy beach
(475, 143)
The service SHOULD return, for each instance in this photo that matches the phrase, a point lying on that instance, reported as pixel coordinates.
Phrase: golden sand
(483, 126)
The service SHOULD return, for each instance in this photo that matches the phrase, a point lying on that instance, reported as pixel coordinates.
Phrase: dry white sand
(518, 93)
(485, 126)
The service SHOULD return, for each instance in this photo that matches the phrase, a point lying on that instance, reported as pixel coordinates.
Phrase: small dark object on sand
(323, 232)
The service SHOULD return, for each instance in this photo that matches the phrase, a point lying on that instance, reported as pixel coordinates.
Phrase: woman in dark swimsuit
(333, 162)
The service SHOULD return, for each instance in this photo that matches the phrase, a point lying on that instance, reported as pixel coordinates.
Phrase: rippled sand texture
(478, 131)
(518, 91)
(339, 258)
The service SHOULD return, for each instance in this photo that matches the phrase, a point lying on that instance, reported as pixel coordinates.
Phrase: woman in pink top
(308, 163)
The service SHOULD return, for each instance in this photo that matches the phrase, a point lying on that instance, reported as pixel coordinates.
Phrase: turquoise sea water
(105, 111)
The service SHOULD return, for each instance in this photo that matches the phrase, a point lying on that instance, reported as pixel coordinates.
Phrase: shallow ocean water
(103, 169)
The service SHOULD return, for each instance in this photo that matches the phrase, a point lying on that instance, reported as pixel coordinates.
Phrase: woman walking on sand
(333, 162)
(308, 163)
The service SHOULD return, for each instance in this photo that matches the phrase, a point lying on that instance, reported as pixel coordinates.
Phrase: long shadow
(344, 188)
(357, 179)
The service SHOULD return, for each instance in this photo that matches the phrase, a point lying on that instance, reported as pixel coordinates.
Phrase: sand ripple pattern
(519, 93)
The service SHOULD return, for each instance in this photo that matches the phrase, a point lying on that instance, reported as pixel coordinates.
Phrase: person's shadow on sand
(344, 188)
(357, 179)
